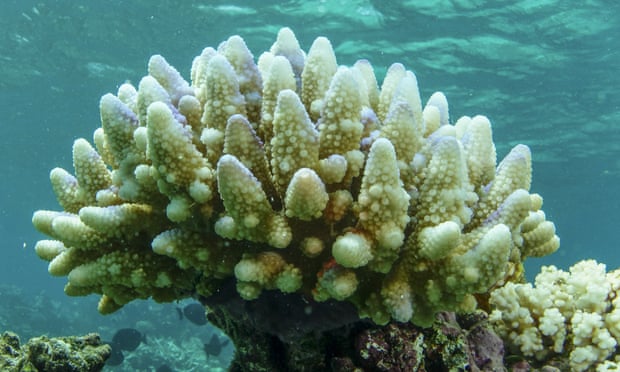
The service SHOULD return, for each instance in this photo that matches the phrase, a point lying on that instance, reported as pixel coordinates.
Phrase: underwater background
(545, 72)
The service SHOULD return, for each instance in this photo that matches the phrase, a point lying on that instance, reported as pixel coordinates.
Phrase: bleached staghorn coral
(571, 314)
(291, 174)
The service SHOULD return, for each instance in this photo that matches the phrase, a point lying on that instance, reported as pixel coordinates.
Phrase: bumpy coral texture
(291, 174)
(571, 314)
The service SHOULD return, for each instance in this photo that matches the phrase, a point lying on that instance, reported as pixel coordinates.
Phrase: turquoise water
(545, 72)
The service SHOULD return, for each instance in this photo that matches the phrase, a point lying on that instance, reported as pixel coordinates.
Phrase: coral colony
(294, 174)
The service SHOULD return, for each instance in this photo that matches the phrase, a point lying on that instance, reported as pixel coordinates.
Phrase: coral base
(269, 335)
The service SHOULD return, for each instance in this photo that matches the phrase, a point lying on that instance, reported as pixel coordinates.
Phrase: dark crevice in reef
(286, 332)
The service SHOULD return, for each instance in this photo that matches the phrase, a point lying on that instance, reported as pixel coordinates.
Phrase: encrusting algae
(291, 174)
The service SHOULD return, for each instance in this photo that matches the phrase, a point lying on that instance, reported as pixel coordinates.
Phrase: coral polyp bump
(291, 173)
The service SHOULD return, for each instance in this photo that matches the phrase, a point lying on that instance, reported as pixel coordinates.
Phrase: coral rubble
(292, 174)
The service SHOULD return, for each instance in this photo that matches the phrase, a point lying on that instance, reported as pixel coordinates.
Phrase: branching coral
(571, 314)
(292, 174)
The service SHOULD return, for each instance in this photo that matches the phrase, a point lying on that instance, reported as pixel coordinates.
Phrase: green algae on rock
(53, 354)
